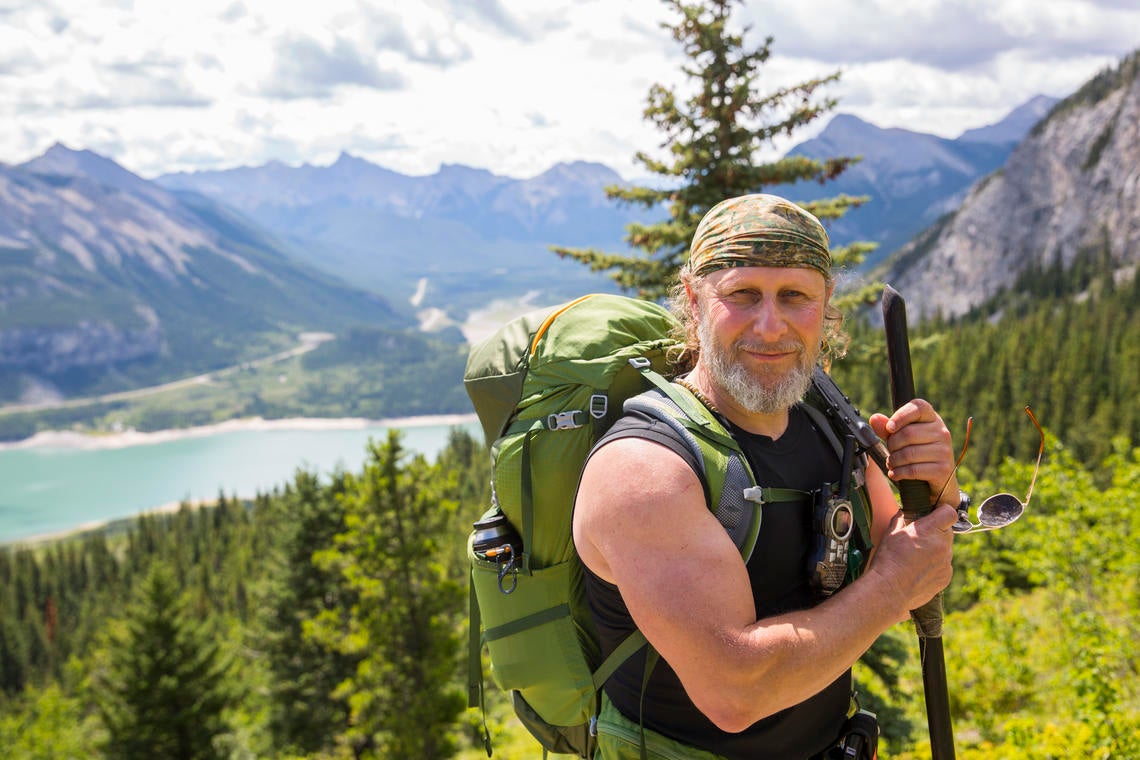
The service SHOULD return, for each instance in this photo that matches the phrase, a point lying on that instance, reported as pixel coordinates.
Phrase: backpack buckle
(563, 420)
(599, 405)
(754, 494)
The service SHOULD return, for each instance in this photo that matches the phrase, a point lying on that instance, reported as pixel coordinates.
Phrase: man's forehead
(765, 276)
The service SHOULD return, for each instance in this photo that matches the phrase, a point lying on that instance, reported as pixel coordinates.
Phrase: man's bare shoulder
(653, 468)
(631, 490)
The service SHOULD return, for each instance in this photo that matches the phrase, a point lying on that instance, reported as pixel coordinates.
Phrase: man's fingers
(915, 410)
(942, 517)
(919, 455)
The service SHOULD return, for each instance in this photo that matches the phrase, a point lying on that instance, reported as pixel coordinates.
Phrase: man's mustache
(789, 346)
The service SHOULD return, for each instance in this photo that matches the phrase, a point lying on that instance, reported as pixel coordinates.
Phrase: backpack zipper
(547, 322)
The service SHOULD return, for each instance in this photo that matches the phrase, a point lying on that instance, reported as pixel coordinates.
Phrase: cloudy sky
(508, 85)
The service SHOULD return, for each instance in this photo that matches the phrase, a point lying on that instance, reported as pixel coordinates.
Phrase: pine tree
(404, 693)
(14, 657)
(305, 715)
(713, 136)
(165, 689)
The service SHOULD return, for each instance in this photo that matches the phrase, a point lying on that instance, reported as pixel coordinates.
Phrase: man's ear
(691, 293)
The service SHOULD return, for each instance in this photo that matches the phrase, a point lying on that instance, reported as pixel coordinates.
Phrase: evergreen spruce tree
(404, 694)
(713, 132)
(467, 459)
(14, 657)
(305, 716)
(165, 689)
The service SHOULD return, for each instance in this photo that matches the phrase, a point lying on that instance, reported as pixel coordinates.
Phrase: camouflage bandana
(759, 231)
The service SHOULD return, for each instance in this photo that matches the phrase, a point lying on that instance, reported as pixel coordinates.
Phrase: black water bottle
(496, 540)
(494, 533)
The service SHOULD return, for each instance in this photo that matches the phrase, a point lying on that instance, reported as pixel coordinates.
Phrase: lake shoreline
(65, 445)
(70, 439)
(95, 526)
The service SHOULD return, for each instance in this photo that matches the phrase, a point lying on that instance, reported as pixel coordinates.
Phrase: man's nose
(769, 323)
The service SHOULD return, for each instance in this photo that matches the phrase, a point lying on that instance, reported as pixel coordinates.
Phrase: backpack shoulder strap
(732, 486)
(734, 495)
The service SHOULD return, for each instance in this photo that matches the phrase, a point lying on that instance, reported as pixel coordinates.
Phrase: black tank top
(801, 459)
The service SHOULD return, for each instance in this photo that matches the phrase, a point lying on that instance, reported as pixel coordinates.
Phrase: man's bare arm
(641, 522)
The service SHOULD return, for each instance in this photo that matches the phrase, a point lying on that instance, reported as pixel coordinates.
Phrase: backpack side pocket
(535, 645)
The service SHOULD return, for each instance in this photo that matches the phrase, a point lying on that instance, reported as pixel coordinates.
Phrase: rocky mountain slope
(912, 178)
(103, 273)
(1070, 189)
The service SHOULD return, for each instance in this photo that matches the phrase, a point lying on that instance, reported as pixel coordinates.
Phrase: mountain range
(109, 280)
(445, 241)
(448, 241)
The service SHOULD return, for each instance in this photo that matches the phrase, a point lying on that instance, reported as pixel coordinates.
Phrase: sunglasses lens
(999, 510)
(963, 525)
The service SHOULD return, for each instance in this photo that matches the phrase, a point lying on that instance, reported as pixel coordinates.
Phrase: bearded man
(754, 662)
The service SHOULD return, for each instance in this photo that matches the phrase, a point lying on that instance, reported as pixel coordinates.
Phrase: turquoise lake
(50, 489)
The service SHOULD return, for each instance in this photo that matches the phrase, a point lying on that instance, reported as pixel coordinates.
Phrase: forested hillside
(326, 619)
(322, 620)
(1065, 341)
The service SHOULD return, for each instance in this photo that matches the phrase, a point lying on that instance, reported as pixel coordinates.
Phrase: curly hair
(835, 338)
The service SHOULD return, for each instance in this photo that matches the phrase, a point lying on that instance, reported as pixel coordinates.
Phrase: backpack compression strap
(596, 414)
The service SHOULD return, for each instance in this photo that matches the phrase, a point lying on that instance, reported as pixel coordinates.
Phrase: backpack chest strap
(761, 495)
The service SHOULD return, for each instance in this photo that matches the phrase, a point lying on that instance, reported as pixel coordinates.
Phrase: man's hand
(920, 448)
(914, 559)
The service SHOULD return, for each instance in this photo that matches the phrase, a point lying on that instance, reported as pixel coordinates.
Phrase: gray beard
(754, 393)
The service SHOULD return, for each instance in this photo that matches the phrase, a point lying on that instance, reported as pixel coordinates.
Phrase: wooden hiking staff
(915, 497)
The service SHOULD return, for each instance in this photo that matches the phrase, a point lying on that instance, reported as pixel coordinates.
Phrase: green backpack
(546, 387)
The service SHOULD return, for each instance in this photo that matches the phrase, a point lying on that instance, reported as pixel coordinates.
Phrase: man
(752, 663)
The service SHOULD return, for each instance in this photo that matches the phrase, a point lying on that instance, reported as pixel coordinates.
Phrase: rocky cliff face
(1071, 187)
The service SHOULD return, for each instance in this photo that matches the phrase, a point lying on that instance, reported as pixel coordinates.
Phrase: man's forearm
(785, 659)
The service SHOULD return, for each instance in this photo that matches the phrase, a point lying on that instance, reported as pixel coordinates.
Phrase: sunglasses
(1001, 509)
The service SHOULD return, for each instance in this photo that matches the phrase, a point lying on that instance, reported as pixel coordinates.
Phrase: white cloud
(509, 85)
(303, 68)
(949, 34)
